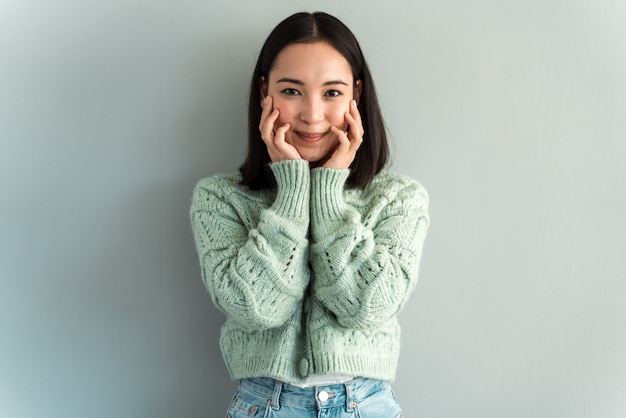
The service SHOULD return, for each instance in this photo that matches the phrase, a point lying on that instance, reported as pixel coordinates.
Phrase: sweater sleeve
(365, 269)
(255, 271)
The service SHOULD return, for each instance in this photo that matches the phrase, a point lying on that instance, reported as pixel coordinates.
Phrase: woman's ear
(262, 89)
(358, 88)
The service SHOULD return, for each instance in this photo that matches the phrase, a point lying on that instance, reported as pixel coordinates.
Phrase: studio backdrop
(510, 113)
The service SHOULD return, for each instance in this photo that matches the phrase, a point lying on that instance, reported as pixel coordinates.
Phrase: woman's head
(283, 69)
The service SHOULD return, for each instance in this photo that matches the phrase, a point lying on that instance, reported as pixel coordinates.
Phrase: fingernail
(354, 104)
(266, 100)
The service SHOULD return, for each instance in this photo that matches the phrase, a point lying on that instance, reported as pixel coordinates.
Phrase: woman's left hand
(349, 140)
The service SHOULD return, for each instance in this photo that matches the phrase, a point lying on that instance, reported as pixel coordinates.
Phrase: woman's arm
(256, 274)
(365, 269)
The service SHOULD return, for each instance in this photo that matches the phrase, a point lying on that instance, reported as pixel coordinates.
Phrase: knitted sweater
(311, 274)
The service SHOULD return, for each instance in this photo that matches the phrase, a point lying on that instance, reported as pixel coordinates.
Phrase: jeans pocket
(380, 404)
(245, 406)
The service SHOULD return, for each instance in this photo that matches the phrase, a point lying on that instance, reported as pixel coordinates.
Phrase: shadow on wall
(214, 140)
(148, 305)
(144, 313)
(215, 133)
(146, 310)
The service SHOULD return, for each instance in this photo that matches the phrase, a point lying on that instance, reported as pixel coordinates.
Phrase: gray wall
(510, 112)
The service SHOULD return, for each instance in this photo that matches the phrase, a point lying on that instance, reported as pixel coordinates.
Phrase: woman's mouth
(311, 136)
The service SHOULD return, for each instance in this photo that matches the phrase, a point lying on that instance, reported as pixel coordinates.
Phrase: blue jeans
(263, 397)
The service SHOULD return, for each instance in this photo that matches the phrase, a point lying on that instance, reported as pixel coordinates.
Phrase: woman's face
(312, 86)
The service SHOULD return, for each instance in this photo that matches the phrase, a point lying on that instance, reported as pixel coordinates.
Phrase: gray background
(511, 113)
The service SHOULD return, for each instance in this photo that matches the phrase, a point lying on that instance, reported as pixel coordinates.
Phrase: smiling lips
(311, 137)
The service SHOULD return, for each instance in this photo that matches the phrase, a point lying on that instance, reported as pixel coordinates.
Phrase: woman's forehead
(311, 61)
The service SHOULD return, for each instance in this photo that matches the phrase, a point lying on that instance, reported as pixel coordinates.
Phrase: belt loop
(349, 402)
(275, 402)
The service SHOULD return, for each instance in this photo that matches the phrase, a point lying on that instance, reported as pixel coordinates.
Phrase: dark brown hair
(373, 153)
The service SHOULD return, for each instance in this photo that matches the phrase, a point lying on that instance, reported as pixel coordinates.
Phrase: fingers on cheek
(280, 133)
(343, 137)
(352, 122)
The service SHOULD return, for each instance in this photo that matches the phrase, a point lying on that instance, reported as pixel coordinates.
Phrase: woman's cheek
(283, 107)
(339, 116)
(285, 115)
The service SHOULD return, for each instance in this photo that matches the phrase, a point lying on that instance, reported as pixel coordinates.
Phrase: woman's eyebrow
(334, 82)
(290, 80)
(301, 83)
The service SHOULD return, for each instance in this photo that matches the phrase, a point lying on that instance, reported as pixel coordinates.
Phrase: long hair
(373, 153)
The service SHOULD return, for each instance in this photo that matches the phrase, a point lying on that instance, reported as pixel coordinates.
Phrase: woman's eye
(333, 93)
(291, 92)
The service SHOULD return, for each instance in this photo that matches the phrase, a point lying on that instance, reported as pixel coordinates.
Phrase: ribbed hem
(375, 367)
(262, 367)
(354, 364)
(327, 186)
(293, 180)
(334, 350)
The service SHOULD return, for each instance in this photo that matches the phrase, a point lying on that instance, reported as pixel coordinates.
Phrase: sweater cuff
(293, 184)
(327, 186)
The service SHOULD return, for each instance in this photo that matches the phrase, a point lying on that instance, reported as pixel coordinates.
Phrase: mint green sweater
(310, 275)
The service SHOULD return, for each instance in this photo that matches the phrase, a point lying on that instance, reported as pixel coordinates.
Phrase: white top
(323, 380)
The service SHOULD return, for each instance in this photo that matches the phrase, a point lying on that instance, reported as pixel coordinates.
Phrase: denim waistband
(324, 396)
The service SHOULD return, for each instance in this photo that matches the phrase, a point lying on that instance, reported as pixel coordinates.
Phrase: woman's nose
(312, 111)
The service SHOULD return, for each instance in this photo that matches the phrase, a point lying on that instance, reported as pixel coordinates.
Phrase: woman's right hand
(274, 139)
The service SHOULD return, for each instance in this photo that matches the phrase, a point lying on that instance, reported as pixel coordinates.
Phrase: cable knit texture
(310, 275)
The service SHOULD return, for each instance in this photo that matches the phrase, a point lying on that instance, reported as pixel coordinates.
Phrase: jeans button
(322, 396)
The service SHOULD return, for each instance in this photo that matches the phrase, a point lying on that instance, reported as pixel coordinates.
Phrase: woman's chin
(316, 155)
(314, 159)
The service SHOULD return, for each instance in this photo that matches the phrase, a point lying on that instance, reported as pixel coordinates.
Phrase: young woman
(311, 249)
